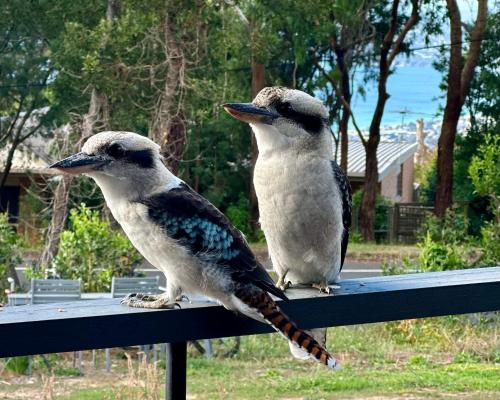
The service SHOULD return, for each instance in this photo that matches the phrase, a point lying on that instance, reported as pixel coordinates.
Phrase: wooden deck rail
(92, 324)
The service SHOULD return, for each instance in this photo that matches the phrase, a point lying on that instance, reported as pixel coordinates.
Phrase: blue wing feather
(208, 234)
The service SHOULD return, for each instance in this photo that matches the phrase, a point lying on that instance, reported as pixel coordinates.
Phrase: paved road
(351, 270)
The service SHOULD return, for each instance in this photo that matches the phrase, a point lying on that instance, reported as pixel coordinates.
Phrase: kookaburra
(182, 234)
(304, 197)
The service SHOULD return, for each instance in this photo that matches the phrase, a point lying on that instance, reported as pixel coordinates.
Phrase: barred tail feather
(318, 334)
(260, 305)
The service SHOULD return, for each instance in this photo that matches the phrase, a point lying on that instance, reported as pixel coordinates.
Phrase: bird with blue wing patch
(183, 235)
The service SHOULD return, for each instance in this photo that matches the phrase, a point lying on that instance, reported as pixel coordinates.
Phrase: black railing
(93, 324)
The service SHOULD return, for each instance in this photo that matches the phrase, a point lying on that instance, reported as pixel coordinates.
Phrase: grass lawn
(362, 252)
(432, 358)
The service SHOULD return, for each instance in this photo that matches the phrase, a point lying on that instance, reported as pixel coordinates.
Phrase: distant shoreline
(407, 131)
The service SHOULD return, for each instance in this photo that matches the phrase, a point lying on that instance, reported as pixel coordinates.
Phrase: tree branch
(339, 95)
(476, 37)
(412, 20)
(12, 125)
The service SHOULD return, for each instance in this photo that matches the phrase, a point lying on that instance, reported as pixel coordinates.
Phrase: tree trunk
(451, 115)
(114, 9)
(458, 86)
(370, 187)
(97, 117)
(346, 112)
(58, 220)
(16, 129)
(258, 83)
(389, 49)
(168, 127)
(370, 191)
(8, 163)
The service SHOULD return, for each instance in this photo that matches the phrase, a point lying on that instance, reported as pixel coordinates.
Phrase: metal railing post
(175, 382)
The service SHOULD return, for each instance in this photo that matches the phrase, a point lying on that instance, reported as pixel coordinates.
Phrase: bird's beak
(80, 163)
(247, 112)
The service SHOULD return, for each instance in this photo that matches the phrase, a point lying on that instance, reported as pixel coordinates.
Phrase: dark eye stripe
(141, 158)
(311, 123)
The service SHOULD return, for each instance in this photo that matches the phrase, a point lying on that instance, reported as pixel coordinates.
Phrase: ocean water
(414, 93)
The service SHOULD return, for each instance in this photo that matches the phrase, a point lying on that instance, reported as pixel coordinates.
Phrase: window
(399, 182)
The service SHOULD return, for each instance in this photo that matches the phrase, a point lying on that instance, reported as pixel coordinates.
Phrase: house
(395, 169)
(29, 166)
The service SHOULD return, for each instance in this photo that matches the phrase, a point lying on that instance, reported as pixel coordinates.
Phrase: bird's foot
(322, 287)
(140, 300)
(282, 284)
(182, 297)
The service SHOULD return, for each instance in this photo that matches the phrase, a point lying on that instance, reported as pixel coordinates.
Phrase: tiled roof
(390, 156)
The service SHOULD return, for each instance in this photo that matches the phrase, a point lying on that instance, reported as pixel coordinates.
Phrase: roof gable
(390, 155)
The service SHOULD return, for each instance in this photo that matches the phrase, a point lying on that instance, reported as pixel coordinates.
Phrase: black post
(175, 382)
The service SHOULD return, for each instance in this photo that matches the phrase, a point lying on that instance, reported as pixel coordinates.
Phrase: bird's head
(119, 161)
(285, 118)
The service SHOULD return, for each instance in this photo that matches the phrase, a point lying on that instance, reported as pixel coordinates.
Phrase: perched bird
(304, 197)
(182, 234)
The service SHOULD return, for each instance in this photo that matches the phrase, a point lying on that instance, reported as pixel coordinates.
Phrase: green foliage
(466, 357)
(355, 237)
(439, 256)
(10, 244)
(406, 265)
(18, 365)
(381, 210)
(126, 60)
(91, 251)
(490, 245)
(484, 92)
(61, 370)
(444, 244)
(485, 174)
(239, 215)
(484, 169)
(452, 229)
(464, 192)
(426, 176)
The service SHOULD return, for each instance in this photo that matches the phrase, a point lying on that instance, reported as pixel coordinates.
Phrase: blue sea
(414, 93)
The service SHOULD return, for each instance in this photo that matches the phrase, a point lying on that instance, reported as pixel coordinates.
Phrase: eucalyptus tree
(343, 37)
(460, 73)
(393, 20)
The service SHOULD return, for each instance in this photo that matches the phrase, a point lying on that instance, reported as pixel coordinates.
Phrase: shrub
(18, 365)
(381, 210)
(484, 169)
(485, 174)
(93, 252)
(444, 245)
(450, 229)
(490, 245)
(239, 215)
(10, 243)
(439, 256)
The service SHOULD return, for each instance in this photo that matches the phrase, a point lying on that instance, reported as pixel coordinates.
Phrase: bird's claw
(322, 287)
(282, 284)
(285, 285)
(182, 297)
(141, 300)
